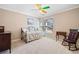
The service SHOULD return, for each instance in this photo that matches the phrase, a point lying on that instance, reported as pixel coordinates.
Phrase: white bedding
(41, 46)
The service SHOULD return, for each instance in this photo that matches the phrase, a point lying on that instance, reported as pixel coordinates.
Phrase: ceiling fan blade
(38, 6)
(46, 7)
(43, 11)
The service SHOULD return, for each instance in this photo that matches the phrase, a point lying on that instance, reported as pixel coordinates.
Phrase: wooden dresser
(5, 41)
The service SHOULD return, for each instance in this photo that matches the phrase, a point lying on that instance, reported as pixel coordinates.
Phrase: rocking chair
(72, 38)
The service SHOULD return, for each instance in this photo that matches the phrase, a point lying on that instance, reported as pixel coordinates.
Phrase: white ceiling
(29, 9)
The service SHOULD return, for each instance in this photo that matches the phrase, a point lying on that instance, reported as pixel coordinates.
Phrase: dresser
(5, 41)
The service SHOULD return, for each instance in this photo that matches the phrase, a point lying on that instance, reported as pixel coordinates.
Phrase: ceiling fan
(42, 9)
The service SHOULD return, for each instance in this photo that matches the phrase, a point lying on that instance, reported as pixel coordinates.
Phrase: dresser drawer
(1, 40)
(5, 41)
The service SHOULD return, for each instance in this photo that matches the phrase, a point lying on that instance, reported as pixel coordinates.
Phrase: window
(47, 24)
(32, 24)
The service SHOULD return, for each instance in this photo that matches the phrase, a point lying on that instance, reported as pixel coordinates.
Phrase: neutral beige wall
(1, 16)
(66, 20)
(62, 21)
(12, 22)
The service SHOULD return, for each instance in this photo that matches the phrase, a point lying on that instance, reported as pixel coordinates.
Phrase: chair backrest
(1, 29)
(73, 35)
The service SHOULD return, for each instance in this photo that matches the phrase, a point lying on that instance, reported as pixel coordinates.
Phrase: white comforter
(41, 46)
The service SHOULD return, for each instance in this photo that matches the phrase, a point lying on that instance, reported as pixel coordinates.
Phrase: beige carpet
(42, 46)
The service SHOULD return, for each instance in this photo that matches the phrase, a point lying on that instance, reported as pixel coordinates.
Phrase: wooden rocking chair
(72, 38)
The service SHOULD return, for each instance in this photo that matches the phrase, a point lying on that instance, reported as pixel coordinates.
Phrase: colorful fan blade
(46, 7)
(38, 6)
(43, 11)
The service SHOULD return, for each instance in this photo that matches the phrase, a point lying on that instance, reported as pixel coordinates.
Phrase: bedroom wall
(62, 21)
(66, 20)
(13, 22)
(1, 18)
